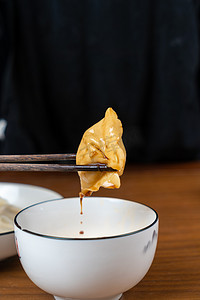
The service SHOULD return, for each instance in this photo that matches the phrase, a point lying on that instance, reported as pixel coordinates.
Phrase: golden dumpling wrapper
(7, 214)
(102, 143)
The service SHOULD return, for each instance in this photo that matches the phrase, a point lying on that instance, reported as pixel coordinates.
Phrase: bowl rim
(87, 238)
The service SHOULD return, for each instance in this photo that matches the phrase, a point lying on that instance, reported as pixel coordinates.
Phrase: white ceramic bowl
(113, 255)
(20, 195)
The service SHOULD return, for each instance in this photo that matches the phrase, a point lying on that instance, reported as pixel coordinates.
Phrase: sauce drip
(81, 212)
(81, 203)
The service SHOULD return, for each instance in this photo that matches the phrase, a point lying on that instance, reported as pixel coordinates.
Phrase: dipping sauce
(81, 203)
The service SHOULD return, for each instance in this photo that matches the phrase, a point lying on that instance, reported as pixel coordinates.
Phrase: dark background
(64, 62)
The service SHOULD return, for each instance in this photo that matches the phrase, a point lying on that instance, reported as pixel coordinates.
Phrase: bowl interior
(102, 217)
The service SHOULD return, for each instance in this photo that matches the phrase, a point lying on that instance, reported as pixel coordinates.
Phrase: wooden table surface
(173, 191)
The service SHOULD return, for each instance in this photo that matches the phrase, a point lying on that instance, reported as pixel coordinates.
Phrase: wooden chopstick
(53, 167)
(55, 163)
(37, 157)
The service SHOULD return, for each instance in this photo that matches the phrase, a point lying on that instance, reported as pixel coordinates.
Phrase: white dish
(111, 255)
(20, 195)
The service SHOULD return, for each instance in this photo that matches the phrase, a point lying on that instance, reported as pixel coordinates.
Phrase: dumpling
(102, 143)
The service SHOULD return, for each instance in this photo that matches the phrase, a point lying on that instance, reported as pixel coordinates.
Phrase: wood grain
(37, 157)
(51, 167)
(172, 190)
